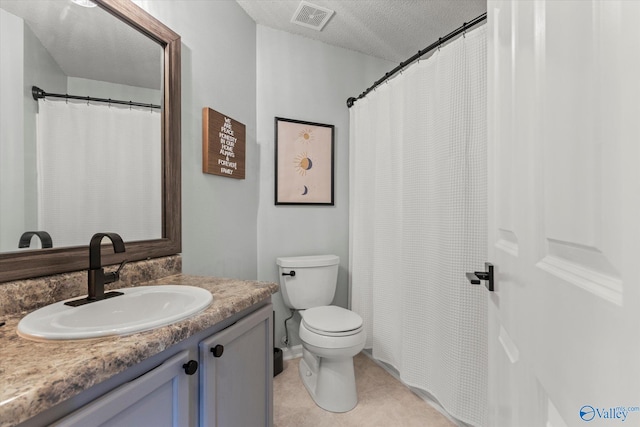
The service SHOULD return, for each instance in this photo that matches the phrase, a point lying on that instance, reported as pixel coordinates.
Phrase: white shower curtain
(99, 169)
(418, 223)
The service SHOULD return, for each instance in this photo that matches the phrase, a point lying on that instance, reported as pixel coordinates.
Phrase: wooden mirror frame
(44, 262)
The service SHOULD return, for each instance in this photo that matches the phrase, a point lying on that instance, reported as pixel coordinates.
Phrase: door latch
(478, 276)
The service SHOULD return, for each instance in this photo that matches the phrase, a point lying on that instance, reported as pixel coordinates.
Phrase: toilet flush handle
(292, 273)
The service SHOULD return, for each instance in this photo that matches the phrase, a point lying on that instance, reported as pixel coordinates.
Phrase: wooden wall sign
(223, 145)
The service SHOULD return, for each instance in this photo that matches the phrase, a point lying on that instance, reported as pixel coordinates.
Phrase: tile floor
(382, 401)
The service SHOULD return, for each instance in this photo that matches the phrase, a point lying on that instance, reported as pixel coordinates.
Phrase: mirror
(77, 164)
(33, 263)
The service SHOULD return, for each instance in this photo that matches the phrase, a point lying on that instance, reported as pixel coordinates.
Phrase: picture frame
(304, 162)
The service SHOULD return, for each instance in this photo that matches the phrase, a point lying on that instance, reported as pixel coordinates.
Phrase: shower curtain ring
(88, 99)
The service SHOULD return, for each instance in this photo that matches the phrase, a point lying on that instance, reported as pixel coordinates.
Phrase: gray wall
(40, 69)
(231, 228)
(302, 79)
(106, 90)
(25, 62)
(218, 71)
(11, 131)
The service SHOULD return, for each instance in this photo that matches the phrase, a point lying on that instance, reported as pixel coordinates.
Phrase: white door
(564, 212)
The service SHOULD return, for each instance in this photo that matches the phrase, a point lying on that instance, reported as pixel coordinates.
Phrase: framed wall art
(304, 163)
(223, 145)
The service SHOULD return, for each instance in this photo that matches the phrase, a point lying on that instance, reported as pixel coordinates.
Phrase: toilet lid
(332, 319)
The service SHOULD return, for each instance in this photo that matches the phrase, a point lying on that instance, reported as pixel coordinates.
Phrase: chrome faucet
(97, 278)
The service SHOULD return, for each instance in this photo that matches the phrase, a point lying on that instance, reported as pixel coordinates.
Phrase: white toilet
(330, 335)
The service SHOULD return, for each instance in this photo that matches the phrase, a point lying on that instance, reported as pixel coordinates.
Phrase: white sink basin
(139, 309)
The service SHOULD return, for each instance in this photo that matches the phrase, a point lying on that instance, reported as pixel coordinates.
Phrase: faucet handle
(115, 275)
(120, 268)
(117, 272)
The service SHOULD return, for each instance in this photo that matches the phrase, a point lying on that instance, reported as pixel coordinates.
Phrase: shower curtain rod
(465, 26)
(38, 93)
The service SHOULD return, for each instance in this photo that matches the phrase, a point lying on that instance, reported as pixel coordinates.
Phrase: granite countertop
(35, 376)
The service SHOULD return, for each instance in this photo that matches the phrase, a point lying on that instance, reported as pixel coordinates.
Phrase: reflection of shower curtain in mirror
(418, 223)
(99, 169)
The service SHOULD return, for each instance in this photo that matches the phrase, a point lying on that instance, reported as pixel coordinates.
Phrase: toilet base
(331, 383)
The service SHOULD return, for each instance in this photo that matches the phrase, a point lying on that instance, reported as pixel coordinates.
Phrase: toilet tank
(314, 281)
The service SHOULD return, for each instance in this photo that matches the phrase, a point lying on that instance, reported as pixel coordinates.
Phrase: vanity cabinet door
(158, 398)
(236, 375)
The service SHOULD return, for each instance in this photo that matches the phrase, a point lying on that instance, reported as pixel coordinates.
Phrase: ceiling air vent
(312, 16)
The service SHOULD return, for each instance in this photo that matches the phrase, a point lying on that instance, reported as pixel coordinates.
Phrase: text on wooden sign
(223, 145)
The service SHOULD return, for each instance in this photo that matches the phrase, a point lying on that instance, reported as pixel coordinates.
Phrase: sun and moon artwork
(306, 135)
(304, 162)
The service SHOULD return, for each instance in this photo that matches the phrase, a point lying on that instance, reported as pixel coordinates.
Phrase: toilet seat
(321, 343)
(332, 321)
(332, 334)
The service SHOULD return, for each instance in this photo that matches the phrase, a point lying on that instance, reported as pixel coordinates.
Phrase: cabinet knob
(190, 367)
(217, 350)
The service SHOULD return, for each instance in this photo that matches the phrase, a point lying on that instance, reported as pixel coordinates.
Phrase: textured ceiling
(388, 29)
(90, 43)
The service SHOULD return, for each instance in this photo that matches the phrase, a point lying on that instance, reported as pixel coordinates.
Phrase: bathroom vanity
(214, 368)
(165, 376)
